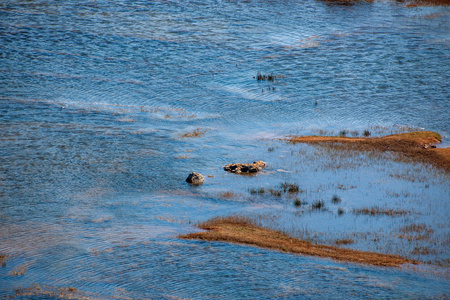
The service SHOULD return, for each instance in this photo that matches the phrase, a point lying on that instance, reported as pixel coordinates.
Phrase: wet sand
(242, 230)
(418, 145)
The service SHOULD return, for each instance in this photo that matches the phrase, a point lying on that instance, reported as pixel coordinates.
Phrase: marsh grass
(259, 191)
(423, 251)
(377, 211)
(268, 77)
(416, 232)
(336, 199)
(344, 241)
(284, 188)
(318, 204)
(228, 195)
(275, 192)
(291, 188)
(298, 202)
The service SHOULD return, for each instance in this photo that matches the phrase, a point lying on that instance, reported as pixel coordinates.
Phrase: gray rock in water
(195, 178)
(245, 168)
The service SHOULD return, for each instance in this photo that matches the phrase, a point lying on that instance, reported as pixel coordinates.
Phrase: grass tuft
(319, 204)
(336, 199)
(259, 191)
(290, 187)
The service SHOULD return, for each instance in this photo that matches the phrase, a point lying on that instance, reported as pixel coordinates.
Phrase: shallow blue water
(95, 98)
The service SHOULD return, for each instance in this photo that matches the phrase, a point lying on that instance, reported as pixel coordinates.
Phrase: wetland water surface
(99, 105)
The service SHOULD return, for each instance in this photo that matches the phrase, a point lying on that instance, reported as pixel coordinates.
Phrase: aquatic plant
(227, 195)
(375, 211)
(259, 191)
(344, 241)
(290, 187)
(319, 204)
(335, 199)
(276, 193)
(268, 77)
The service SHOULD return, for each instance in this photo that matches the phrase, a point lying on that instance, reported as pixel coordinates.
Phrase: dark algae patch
(241, 230)
(418, 145)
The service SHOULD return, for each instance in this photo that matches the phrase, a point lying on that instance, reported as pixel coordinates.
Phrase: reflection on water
(95, 98)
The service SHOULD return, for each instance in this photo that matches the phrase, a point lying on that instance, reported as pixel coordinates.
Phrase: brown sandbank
(417, 145)
(242, 230)
(408, 3)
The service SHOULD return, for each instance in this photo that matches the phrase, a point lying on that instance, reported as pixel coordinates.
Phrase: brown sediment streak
(416, 145)
(241, 230)
(408, 3)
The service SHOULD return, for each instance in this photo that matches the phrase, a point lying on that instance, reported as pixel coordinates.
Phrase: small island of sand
(241, 230)
(417, 145)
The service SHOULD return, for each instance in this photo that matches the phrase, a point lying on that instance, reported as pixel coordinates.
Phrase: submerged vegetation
(243, 230)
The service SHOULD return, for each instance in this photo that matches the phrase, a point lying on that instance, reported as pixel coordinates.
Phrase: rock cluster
(245, 168)
(195, 178)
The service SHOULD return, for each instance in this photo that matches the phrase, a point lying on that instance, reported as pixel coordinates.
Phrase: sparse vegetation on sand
(418, 145)
(196, 133)
(243, 230)
(50, 292)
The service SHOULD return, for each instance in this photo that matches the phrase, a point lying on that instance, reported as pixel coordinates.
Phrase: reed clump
(319, 204)
(291, 188)
(259, 191)
(336, 199)
(268, 77)
(243, 230)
